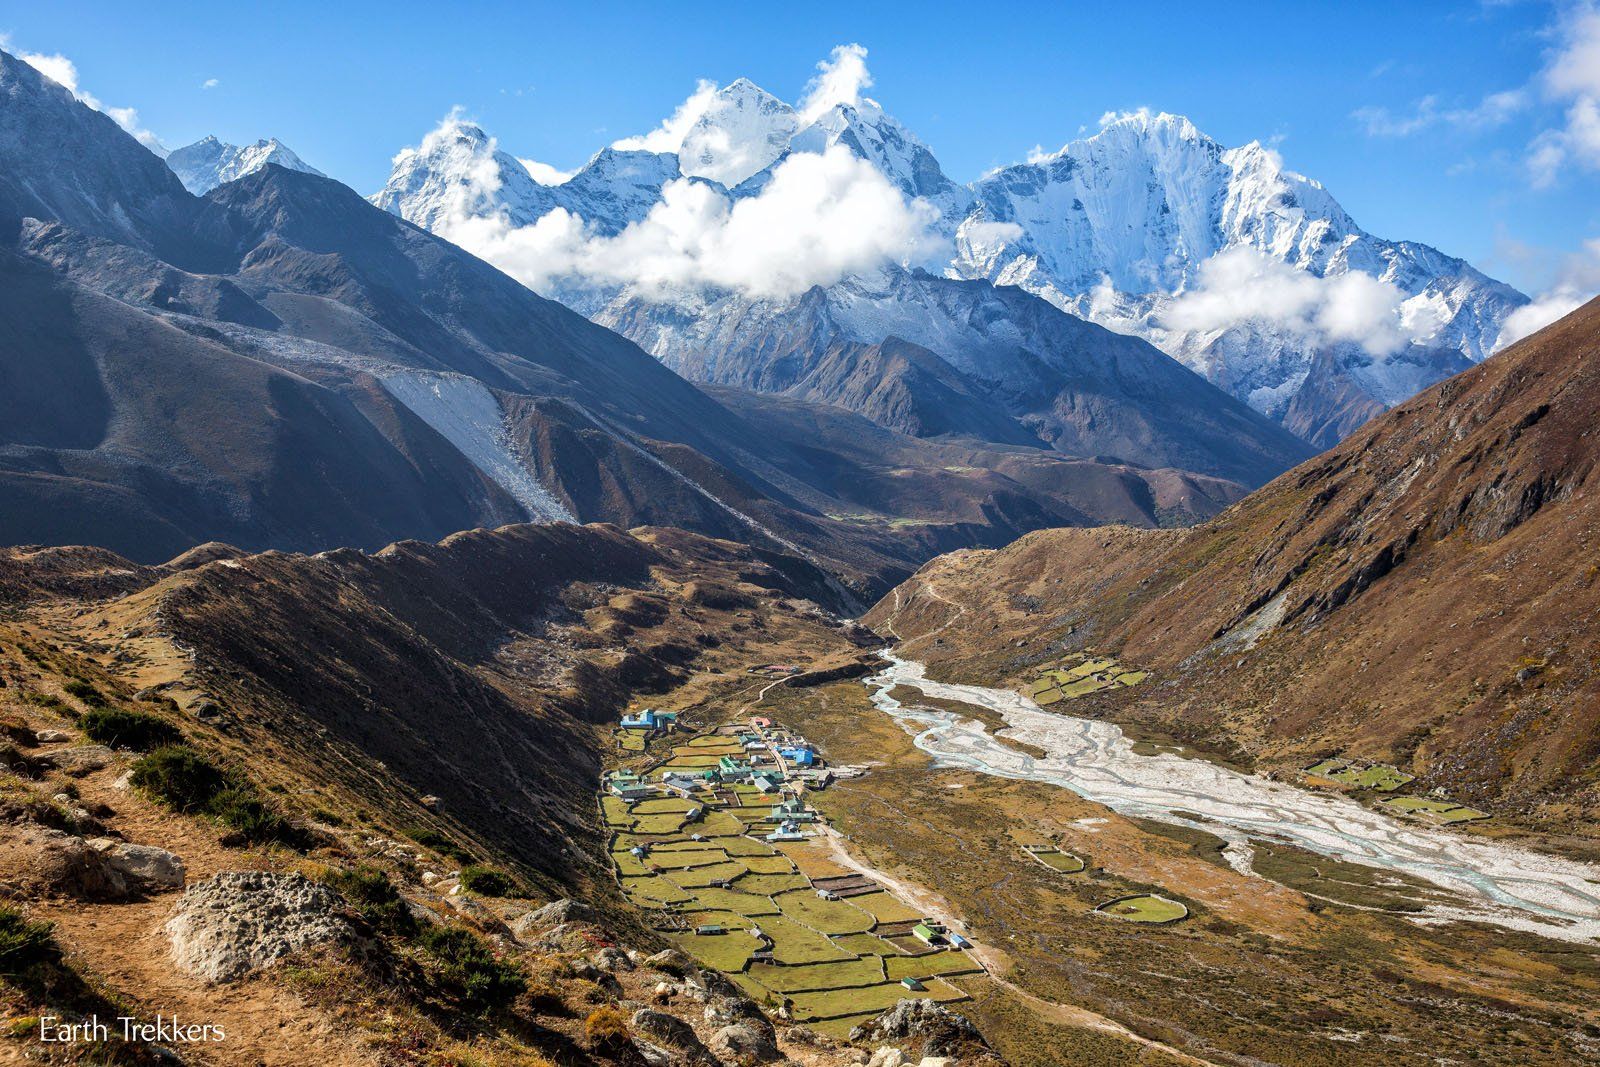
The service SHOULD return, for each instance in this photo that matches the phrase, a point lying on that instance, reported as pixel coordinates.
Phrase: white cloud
(210, 83)
(61, 70)
(840, 79)
(1576, 284)
(544, 173)
(820, 218)
(1493, 110)
(668, 137)
(1241, 286)
(1142, 114)
(1572, 77)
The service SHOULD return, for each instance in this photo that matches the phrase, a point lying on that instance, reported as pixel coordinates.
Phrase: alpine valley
(758, 600)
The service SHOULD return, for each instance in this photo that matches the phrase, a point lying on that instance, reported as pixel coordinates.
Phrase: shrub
(543, 997)
(606, 1028)
(371, 893)
(23, 942)
(179, 777)
(186, 781)
(129, 729)
(486, 881)
(462, 961)
(428, 837)
(244, 812)
(83, 691)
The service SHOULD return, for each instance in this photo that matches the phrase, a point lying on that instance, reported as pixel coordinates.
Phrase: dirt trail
(124, 945)
(933, 594)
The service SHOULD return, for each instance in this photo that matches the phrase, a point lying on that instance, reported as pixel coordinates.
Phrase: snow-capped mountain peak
(742, 131)
(210, 162)
(459, 170)
(877, 137)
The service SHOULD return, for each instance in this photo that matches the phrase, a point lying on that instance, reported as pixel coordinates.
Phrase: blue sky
(1420, 117)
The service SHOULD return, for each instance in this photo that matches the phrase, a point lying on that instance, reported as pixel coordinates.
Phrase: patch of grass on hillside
(24, 942)
(428, 837)
(83, 691)
(186, 781)
(137, 730)
(180, 778)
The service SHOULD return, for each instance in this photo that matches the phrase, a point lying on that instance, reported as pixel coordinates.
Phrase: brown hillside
(1426, 592)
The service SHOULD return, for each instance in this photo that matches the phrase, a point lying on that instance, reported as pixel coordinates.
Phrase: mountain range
(1141, 228)
(308, 371)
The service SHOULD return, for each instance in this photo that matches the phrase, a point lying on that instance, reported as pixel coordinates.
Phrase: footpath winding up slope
(1428, 592)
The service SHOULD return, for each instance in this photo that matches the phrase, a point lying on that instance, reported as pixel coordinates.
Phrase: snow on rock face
(1135, 227)
(209, 162)
(743, 130)
(467, 415)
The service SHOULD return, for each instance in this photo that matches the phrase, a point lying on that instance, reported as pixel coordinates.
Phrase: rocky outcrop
(553, 914)
(673, 1034)
(238, 922)
(940, 1031)
(50, 861)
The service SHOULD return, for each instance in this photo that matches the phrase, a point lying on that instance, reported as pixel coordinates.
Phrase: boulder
(743, 1042)
(155, 868)
(652, 1055)
(52, 737)
(80, 760)
(941, 1031)
(480, 915)
(50, 862)
(673, 1033)
(887, 1056)
(612, 959)
(236, 923)
(802, 1035)
(551, 915)
(723, 1010)
(670, 961)
(604, 979)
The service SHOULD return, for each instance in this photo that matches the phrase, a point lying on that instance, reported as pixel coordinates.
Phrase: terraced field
(1378, 776)
(1080, 674)
(836, 958)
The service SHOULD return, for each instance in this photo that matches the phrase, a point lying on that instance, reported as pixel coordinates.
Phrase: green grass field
(886, 908)
(1147, 908)
(1379, 777)
(828, 916)
(827, 954)
(1445, 811)
(1056, 860)
(842, 974)
(1079, 676)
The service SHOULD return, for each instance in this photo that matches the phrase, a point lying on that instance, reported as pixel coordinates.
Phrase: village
(712, 833)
